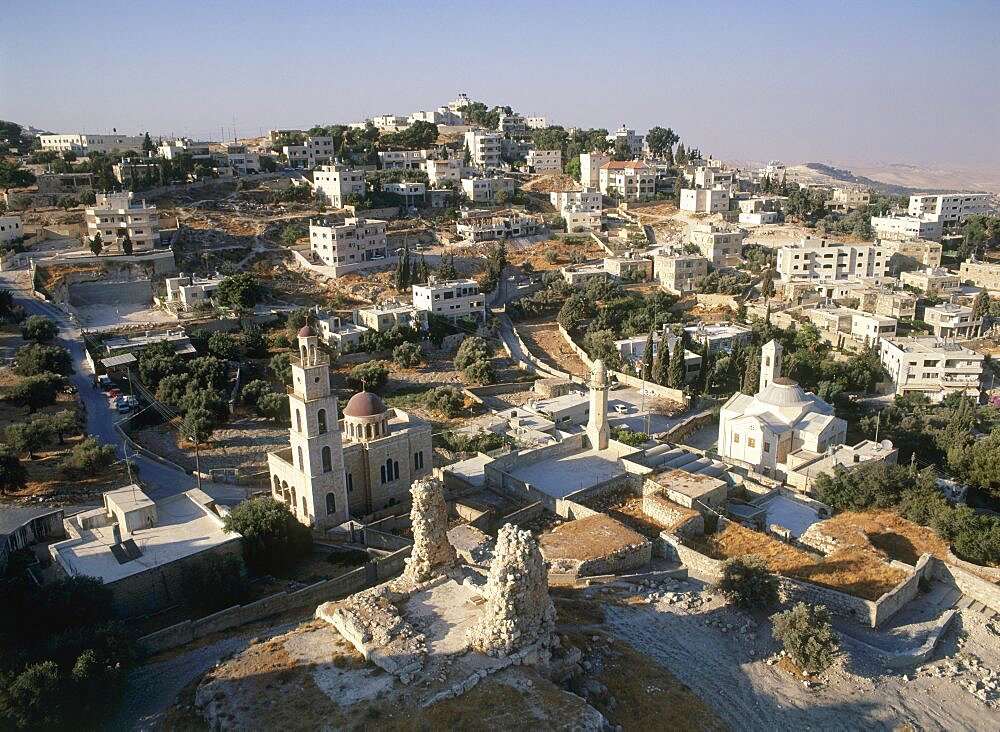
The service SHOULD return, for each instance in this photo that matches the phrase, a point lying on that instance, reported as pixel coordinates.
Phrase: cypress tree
(676, 371)
(751, 376)
(647, 360)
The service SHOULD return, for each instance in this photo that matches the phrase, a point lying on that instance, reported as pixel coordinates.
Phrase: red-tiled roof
(624, 164)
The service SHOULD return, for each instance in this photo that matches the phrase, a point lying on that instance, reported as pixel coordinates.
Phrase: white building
(392, 159)
(949, 321)
(439, 171)
(760, 431)
(411, 193)
(678, 273)
(10, 228)
(704, 200)
(906, 227)
(590, 168)
(334, 184)
(536, 123)
(721, 246)
(720, 338)
(185, 292)
(506, 225)
(199, 151)
(353, 245)
(931, 366)
(630, 180)
(241, 160)
(820, 259)
(544, 161)
(951, 208)
(391, 314)
(632, 141)
(484, 147)
(454, 300)
(581, 209)
(484, 189)
(339, 335)
(117, 215)
(439, 116)
(83, 144)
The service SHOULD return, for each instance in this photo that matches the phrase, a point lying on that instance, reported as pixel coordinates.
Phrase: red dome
(364, 404)
(306, 332)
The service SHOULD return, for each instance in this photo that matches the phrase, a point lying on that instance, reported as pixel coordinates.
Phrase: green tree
(222, 346)
(407, 355)
(370, 376)
(13, 475)
(199, 424)
(747, 582)
(661, 142)
(39, 328)
(127, 244)
(480, 372)
(281, 366)
(253, 341)
(35, 391)
(447, 270)
(12, 175)
(421, 272)
(677, 370)
(981, 309)
(272, 538)
(448, 400)
(34, 699)
(647, 357)
(25, 437)
(807, 636)
(402, 278)
(767, 283)
(240, 292)
(36, 358)
(751, 377)
(88, 457)
(274, 406)
(147, 144)
(290, 234)
(471, 349)
(213, 583)
(96, 244)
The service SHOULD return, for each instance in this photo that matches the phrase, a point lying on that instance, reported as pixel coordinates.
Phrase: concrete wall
(39, 528)
(136, 292)
(188, 631)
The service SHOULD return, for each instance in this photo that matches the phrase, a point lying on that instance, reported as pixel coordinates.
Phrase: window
(321, 418)
(302, 463)
(331, 504)
(767, 447)
(751, 442)
(382, 471)
(736, 439)
(350, 483)
(305, 510)
(298, 420)
(418, 460)
(395, 470)
(327, 460)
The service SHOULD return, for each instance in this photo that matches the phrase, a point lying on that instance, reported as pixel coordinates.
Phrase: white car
(621, 409)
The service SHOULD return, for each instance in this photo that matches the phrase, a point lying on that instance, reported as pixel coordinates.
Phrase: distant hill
(846, 176)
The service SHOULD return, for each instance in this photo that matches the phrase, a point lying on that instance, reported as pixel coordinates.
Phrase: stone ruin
(518, 609)
(432, 554)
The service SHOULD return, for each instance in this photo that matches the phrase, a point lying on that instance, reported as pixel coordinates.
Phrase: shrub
(87, 458)
(472, 349)
(446, 399)
(253, 341)
(747, 582)
(370, 376)
(273, 539)
(13, 475)
(39, 328)
(806, 635)
(480, 372)
(221, 346)
(35, 391)
(627, 436)
(281, 365)
(280, 341)
(252, 392)
(274, 406)
(36, 358)
(407, 355)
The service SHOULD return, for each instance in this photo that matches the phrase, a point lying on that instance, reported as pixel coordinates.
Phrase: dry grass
(887, 532)
(535, 255)
(588, 538)
(863, 573)
(545, 341)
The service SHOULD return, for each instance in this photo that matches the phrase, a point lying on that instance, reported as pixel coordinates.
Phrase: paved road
(161, 480)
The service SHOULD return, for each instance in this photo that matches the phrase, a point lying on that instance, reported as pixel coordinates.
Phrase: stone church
(337, 469)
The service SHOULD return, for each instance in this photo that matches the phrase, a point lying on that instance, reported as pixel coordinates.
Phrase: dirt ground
(545, 341)
(588, 538)
(241, 444)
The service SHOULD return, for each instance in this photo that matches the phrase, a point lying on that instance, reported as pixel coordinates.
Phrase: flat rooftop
(931, 345)
(688, 484)
(185, 527)
(592, 537)
(563, 476)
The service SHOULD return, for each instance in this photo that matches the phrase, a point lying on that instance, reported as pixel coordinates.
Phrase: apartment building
(628, 179)
(721, 246)
(511, 123)
(391, 314)
(241, 160)
(821, 259)
(580, 275)
(454, 299)
(320, 151)
(847, 328)
(931, 366)
(186, 292)
(439, 116)
(484, 189)
(678, 273)
(710, 176)
(116, 215)
(339, 335)
(390, 121)
(633, 141)
(630, 269)
(705, 200)
(10, 228)
(354, 245)
(906, 227)
(83, 144)
(536, 123)
(580, 209)
(515, 148)
(950, 320)
(333, 184)
(848, 199)
(950, 208)
(394, 159)
(590, 168)
(439, 171)
(484, 148)
(980, 274)
(200, 152)
(411, 193)
(507, 225)
(898, 305)
(544, 161)
(931, 280)
(721, 338)
(907, 254)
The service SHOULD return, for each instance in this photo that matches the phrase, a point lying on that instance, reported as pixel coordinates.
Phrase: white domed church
(759, 431)
(336, 469)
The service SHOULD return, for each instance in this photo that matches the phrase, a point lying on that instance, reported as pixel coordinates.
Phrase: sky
(867, 82)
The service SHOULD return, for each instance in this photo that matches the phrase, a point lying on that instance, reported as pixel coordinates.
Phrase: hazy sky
(906, 81)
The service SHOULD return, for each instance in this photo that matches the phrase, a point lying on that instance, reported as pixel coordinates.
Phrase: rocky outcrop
(431, 554)
(518, 609)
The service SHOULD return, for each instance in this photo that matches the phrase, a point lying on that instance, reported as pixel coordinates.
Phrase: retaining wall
(971, 585)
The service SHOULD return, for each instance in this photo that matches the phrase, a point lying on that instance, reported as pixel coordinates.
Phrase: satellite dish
(887, 444)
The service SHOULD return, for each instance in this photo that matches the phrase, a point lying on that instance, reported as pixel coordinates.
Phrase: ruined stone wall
(429, 518)
(682, 522)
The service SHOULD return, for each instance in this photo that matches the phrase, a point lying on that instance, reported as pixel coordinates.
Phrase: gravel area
(241, 444)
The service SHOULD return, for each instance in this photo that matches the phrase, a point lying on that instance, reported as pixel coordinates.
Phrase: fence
(191, 630)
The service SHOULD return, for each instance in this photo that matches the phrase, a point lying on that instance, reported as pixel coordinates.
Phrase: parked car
(621, 409)
(122, 405)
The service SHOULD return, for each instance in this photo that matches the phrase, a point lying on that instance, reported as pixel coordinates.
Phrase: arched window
(304, 360)
(375, 429)
(312, 354)
(302, 462)
(298, 420)
(277, 486)
(327, 460)
(350, 483)
(291, 498)
(305, 509)
(388, 468)
(331, 504)
(368, 431)
(321, 419)
(395, 470)
(382, 470)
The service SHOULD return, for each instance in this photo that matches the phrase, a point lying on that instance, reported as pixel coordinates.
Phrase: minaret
(317, 455)
(597, 424)
(770, 363)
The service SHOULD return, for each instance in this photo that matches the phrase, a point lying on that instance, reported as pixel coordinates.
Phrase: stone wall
(893, 601)
(190, 630)
(838, 603)
(689, 425)
(682, 522)
(971, 585)
(696, 562)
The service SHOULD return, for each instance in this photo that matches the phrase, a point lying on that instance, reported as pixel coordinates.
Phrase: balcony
(319, 359)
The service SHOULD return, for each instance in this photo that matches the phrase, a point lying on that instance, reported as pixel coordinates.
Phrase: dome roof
(364, 404)
(783, 392)
(306, 332)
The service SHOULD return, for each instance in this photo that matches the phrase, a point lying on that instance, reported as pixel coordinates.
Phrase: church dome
(306, 332)
(364, 404)
(783, 392)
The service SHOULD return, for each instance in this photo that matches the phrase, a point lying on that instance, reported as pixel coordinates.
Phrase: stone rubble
(518, 610)
(432, 553)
